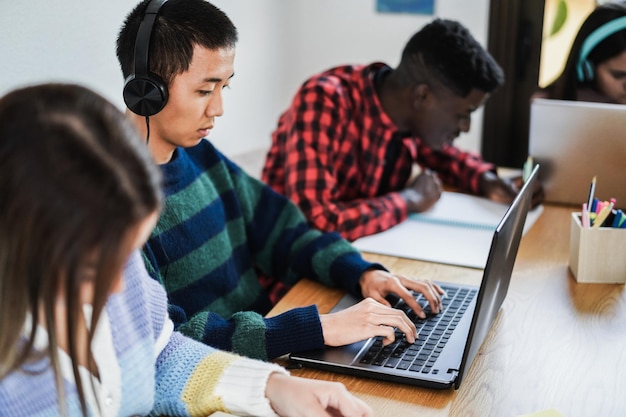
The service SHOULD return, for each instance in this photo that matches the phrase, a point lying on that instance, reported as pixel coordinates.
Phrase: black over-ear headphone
(145, 93)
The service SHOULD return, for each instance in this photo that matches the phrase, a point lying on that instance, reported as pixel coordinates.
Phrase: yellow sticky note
(546, 413)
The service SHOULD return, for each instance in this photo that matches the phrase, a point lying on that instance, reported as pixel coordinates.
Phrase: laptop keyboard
(433, 333)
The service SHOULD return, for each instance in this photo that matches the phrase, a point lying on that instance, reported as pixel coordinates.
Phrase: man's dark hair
(444, 52)
(180, 26)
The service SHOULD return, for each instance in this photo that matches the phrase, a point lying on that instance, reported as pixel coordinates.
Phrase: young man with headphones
(226, 246)
(595, 69)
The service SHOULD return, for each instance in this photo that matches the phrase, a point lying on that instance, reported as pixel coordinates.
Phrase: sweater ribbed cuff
(242, 387)
(294, 331)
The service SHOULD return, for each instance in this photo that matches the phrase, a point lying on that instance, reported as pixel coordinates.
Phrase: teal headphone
(584, 68)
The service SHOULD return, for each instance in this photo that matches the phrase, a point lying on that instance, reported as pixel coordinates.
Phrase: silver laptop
(447, 342)
(574, 141)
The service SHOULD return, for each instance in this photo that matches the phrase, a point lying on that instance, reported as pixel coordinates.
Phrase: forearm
(356, 218)
(287, 248)
(330, 260)
(196, 380)
(456, 168)
(250, 334)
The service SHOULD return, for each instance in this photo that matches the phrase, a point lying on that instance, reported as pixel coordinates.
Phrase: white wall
(281, 43)
(62, 40)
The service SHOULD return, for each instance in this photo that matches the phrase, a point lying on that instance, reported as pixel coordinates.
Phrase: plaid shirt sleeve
(308, 156)
(456, 168)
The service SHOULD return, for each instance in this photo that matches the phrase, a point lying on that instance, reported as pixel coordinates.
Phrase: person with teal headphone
(596, 67)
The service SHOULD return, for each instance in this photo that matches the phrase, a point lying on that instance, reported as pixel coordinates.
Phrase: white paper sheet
(457, 230)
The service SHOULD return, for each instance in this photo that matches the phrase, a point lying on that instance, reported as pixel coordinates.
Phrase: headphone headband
(592, 41)
(145, 93)
(142, 42)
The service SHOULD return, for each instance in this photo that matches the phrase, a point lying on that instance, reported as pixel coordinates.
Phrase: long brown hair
(74, 179)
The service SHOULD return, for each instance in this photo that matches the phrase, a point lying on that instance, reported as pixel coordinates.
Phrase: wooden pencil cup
(597, 255)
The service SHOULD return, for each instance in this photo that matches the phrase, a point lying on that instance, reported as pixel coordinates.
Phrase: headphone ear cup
(145, 95)
(585, 71)
(588, 71)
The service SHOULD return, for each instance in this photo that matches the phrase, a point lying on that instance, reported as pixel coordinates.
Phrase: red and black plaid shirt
(328, 155)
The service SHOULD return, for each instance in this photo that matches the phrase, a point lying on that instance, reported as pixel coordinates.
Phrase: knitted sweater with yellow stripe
(150, 368)
(220, 236)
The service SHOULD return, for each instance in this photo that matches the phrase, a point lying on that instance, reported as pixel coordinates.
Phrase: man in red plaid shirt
(345, 149)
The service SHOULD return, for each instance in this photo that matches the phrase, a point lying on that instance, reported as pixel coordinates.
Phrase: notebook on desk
(457, 230)
(574, 141)
(447, 342)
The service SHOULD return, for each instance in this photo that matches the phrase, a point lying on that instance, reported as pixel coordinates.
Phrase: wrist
(486, 180)
(411, 199)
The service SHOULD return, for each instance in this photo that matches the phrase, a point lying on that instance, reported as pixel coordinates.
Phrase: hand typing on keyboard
(434, 331)
(374, 316)
(363, 320)
(379, 284)
(400, 304)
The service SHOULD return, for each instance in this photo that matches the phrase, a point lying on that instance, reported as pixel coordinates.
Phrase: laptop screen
(574, 141)
(497, 273)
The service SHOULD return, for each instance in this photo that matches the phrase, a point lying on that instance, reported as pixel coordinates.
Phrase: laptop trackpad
(345, 302)
(344, 355)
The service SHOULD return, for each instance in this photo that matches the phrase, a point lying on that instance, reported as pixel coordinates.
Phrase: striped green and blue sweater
(220, 234)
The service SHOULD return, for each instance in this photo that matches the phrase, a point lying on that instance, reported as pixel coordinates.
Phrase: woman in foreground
(83, 329)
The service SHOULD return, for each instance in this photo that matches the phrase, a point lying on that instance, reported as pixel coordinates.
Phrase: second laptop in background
(574, 141)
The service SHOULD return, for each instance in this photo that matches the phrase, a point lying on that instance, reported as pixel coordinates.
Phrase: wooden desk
(554, 344)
